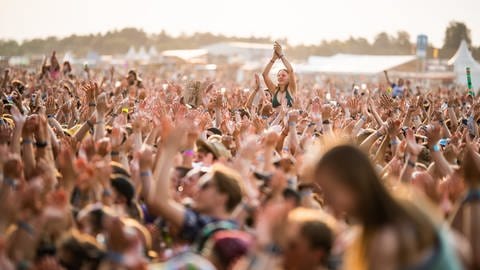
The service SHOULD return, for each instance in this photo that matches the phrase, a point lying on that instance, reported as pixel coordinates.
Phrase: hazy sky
(301, 21)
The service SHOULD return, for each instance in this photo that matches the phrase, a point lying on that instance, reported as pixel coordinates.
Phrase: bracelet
(115, 257)
(26, 141)
(189, 153)
(106, 192)
(124, 110)
(273, 249)
(394, 142)
(114, 153)
(436, 148)
(378, 134)
(41, 144)
(26, 227)
(272, 61)
(285, 149)
(326, 122)
(146, 174)
(306, 192)
(10, 182)
(281, 56)
(291, 124)
(50, 116)
(92, 104)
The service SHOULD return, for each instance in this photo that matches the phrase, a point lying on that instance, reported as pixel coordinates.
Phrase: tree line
(119, 41)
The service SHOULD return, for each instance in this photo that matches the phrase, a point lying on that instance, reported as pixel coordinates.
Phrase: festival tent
(143, 55)
(353, 64)
(192, 56)
(244, 51)
(460, 61)
(152, 52)
(131, 54)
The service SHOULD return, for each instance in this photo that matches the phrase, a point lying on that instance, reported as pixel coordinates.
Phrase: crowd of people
(103, 170)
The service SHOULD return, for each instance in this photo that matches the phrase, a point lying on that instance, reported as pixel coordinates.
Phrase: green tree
(454, 34)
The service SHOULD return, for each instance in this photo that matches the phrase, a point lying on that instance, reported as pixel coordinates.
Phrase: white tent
(142, 54)
(152, 52)
(353, 63)
(131, 54)
(197, 55)
(461, 60)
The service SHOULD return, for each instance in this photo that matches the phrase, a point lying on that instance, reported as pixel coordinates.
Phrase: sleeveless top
(443, 256)
(276, 103)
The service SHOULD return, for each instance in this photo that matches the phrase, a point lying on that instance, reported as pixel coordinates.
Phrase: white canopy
(131, 54)
(461, 60)
(354, 63)
(186, 55)
(152, 51)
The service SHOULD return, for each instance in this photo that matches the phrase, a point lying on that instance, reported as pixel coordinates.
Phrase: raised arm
(387, 78)
(159, 197)
(270, 85)
(292, 79)
(254, 93)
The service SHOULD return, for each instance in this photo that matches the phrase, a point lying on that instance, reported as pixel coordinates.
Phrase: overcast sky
(301, 21)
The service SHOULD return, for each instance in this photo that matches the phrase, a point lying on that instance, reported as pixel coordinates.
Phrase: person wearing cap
(219, 193)
(211, 150)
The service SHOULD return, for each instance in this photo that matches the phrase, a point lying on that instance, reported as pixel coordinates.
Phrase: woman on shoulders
(286, 87)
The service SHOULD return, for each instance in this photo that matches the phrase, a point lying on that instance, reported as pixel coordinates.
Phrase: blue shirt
(397, 91)
(197, 228)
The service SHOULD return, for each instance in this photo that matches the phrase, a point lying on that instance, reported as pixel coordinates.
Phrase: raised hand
(18, 117)
(433, 134)
(50, 106)
(412, 147)
(102, 104)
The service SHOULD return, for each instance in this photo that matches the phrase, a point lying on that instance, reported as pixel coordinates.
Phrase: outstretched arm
(270, 85)
(159, 197)
(292, 79)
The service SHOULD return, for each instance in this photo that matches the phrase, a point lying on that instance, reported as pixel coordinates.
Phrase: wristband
(306, 192)
(273, 249)
(26, 227)
(124, 110)
(326, 122)
(378, 134)
(50, 116)
(26, 141)
(41, 144)
(436, 148)
(106, 192)
(393, 142)
(92, 104)
(189, 153)
(291, 124)
(115, 257)
(10, 182)
(145, 174)
(114, 153)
